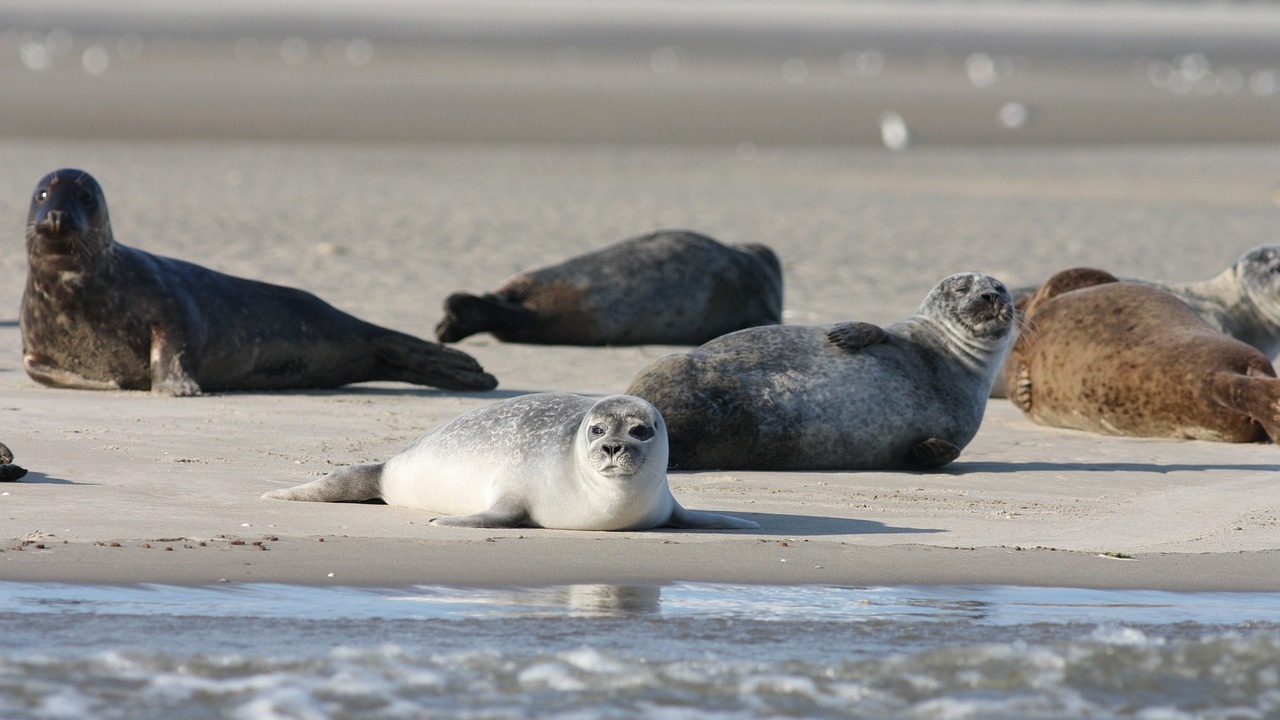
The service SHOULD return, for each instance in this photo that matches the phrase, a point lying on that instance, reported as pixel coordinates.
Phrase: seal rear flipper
(697, 520)
(506, 513)
(354, 483)
(1064, 282)
(425, 363)
(1256, 395)
(934, 452)
(855, 336)
(11, 473)
(466, 315)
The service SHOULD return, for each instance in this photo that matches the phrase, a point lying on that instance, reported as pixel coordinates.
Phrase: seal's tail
(466, 314)
(426, 363)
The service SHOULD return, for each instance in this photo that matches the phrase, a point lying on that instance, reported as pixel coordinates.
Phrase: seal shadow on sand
(38, 478)
(966, 468)
(783, 525)
(407, 391)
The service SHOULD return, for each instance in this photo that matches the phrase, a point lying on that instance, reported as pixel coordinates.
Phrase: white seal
(551, 460)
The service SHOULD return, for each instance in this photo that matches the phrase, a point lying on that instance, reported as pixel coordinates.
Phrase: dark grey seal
(852, 396)
(671, 287)
(99, 315)
(8, 471)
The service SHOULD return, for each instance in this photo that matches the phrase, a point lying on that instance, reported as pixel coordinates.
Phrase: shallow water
(681, 650)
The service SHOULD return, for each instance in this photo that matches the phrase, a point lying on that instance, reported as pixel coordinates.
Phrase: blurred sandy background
(386, 157)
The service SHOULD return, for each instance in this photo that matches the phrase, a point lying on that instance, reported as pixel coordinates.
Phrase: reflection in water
(585, 599)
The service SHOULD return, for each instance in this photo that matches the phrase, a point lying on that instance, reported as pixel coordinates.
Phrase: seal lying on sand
(1242, 301)
(98, 315)
(669, 287)
(550, 460)
(852, 396)
(8, 471)
(1123, 358)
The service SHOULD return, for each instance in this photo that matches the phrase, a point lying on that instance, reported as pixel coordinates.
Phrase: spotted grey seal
(99, 315)
(1124, 358)
(8, 471)
(852, 396)
(551, 460)
(669, 287)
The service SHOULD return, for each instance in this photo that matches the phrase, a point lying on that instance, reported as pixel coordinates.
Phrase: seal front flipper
(424, 363)
(354, 483)
(508, 512)
(696, 520)
(169, 372)
(466, 315)
(934, 452)
(855, 336)
(39, 369)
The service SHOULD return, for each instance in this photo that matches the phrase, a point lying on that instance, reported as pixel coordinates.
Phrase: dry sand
(127, 487)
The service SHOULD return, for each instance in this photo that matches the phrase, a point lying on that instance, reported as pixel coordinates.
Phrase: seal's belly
(447, 484)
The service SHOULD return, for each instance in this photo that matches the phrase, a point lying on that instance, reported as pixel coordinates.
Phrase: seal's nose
(612, 450)
(55, 219)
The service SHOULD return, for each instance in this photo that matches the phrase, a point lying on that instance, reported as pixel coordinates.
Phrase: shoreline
(516, 558)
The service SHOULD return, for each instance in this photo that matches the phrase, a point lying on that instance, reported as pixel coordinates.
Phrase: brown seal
(851, 396)
(670, 287)
(1123, 358)
(99, 315)
(8, 471)
(1242, 301)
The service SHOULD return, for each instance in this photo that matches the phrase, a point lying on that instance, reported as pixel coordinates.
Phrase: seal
(8, 471)
(551, 460)
(1125, 358)
(1243, 301)
(670, 287)
(99, 315)
(851, 396)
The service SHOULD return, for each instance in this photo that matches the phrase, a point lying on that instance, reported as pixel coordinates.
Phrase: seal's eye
(42, 195)
(85, 197)
(641, 432)
(596, 431)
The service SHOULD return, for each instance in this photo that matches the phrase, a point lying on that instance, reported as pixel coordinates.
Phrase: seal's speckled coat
(847, 397)
(1122, 358)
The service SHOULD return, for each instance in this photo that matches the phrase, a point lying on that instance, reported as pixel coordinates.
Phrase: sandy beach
(129, 487)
